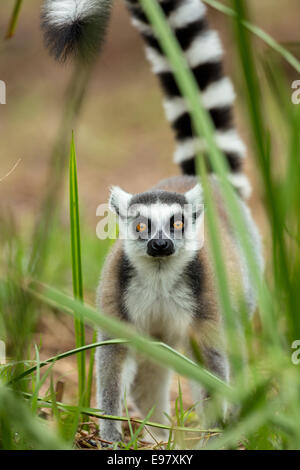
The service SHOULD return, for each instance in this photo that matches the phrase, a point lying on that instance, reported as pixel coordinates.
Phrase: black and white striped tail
(78, 27)
(203, 52)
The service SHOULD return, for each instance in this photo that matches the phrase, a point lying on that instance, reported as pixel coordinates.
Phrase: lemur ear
(119, 201)
(194, 197)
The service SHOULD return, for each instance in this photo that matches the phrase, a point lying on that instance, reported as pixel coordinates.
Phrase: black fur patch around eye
(146, 234)
(175, 218)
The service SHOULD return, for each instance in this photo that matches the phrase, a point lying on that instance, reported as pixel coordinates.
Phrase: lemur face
(158, 224)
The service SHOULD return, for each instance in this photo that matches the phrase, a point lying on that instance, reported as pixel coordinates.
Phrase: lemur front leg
(214, 358)
(216, 362)
(151, 389)
(111, 367)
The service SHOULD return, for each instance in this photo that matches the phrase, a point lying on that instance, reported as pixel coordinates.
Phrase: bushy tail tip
(75, 27)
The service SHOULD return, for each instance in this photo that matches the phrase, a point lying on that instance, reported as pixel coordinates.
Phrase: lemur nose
(160, 247)
(160, 244)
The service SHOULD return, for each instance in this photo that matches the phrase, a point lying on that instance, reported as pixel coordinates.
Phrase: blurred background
(121, 137)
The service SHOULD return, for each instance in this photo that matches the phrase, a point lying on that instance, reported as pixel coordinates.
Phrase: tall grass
(266, 393)
(84, 382)
(14, 19)
(76, 268)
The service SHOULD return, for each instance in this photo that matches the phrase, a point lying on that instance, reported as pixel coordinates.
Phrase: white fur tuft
(195, 195)
(119, 201)
(62, 12)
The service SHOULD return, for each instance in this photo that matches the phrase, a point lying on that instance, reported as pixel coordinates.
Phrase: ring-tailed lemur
(159, 277)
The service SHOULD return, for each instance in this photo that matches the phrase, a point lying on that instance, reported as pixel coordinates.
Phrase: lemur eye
(141, 227)
(178, 225)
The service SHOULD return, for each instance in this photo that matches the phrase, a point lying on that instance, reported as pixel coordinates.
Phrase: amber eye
(141, 227)
(178, 225)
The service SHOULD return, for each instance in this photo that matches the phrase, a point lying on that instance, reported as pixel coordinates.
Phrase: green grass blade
(55, 410)
(38, 385)
(156, 351)
(97, 414)
(63, 355)
(91, 372)
(75, 225)
(37, 382)
(204, 128)
(260, 33)
(14, 19)
(76, 266)
(139, 430)
(127, 416)
(219, 267)
(33, 431)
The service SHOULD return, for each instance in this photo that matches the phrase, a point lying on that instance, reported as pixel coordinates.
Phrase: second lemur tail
(203, 52)
(75, 27)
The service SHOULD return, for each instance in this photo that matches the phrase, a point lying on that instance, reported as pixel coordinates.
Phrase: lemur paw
(110, 440)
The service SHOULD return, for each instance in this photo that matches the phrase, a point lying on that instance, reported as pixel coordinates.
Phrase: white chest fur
(158, 301)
